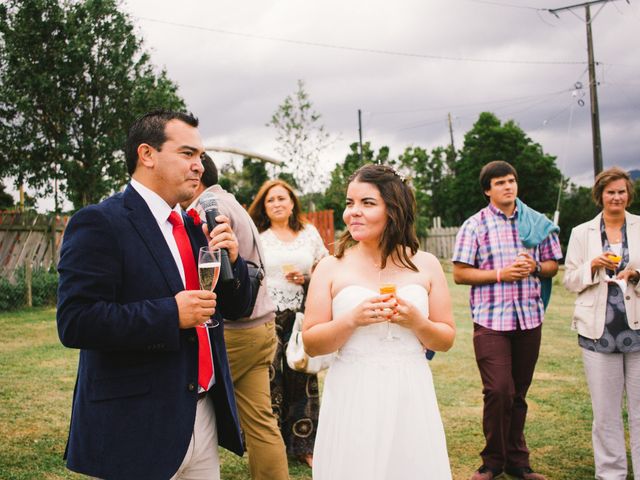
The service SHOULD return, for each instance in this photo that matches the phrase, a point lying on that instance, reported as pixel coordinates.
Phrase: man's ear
(146, 155)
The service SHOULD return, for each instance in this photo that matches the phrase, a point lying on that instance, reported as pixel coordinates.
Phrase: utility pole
(452, 155)
(360, 132)
(593, 83)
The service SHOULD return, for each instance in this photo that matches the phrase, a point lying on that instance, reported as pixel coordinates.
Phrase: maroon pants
(506, 361)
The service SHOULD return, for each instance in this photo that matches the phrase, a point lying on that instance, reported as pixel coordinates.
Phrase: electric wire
(363, 50)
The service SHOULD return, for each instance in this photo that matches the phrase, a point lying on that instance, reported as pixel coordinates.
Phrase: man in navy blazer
(137, 410)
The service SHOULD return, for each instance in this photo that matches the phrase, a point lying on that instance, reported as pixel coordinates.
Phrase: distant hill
(635, 174)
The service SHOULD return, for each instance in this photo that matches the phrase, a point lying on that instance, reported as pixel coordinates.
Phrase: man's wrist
(538, 269)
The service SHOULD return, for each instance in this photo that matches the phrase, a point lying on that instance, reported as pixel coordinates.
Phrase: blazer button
(191, 387)
(192, 339)
(628, 297)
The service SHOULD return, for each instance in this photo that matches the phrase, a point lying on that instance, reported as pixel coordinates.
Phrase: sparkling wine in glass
(208, 273)
(386, 288)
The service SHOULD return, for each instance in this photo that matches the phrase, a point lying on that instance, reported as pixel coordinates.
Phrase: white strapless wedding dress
(379, 417)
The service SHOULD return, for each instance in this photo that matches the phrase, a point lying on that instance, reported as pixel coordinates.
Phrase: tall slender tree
(301, 137)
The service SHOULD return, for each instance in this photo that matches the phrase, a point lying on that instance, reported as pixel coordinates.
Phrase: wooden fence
(29, 239)
(323, 221)
(440, 241)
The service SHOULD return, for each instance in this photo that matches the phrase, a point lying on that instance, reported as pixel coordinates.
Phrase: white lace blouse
(303, 252)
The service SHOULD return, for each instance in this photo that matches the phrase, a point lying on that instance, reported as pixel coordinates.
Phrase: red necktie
(205, 363)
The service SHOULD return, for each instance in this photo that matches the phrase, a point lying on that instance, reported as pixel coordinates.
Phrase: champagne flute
(386, 288)
(208, 273)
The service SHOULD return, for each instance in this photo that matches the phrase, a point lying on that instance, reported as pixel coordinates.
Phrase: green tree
(429, 175)
(335, 194)
(244, 183)
(635, 205)
(6, 200)
(538, 177)
(301, 138)
(576, 207)
(73, 77)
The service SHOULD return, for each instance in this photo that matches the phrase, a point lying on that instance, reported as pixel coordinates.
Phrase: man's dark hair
(495, 169)
(150, 129)
(210, 174)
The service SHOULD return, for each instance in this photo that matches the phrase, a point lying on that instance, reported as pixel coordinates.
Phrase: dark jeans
(506, 361)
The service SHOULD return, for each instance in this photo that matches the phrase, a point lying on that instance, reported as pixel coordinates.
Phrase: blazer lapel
(145, 224)
(594, 238)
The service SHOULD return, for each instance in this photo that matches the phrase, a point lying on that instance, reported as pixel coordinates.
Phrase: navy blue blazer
(134, 401)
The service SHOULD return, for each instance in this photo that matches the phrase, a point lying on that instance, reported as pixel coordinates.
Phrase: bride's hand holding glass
(373, 310)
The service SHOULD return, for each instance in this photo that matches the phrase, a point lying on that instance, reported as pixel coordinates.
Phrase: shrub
(11, 295)
(44, 286)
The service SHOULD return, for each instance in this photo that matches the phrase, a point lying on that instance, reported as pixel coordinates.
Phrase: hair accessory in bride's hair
(395, 172)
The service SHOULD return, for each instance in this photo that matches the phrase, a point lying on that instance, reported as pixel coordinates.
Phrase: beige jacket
(246, 232)
(590, 306)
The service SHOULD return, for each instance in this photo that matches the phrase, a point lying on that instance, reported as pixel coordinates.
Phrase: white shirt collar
(159, 208)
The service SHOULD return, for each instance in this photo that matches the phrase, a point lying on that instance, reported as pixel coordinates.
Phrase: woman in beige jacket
(603, 268)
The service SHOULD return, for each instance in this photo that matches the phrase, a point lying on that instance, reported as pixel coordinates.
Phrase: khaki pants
(201, 461)
(250, 353)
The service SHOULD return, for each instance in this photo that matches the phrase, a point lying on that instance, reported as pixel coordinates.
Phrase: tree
(576, 207)
(538, 177)
(301, 138)
(244, 183)
(6, 200)
(73, 77)
(429, 176)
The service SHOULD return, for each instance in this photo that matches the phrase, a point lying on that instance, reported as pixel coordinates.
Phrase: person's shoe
(485, 473)
(524, 473)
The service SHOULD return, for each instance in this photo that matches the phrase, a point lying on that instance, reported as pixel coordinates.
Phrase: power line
(359, 49)
(510, 5)
(471, 104)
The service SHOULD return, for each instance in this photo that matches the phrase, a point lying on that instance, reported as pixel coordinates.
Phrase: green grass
(38, 376)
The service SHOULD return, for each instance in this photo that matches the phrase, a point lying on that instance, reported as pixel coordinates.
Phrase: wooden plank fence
(29, 239)
(440, 241)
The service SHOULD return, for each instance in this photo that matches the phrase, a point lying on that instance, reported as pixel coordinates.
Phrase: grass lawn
(38, 375)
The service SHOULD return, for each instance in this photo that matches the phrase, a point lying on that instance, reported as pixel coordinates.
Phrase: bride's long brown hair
(399, 235)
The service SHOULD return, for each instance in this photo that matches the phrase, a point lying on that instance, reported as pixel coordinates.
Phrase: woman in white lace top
(292, 247)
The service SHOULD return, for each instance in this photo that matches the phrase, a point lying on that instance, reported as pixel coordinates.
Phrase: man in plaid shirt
(507, 312)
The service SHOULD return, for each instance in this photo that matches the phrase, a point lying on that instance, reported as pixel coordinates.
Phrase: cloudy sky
(406, 65)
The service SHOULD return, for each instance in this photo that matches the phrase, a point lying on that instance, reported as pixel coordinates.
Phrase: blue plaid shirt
(489, 240)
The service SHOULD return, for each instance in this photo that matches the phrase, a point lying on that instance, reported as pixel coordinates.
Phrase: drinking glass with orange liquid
(614, 258)
(386, 288)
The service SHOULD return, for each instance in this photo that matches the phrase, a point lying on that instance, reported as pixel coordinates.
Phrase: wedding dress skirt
(379, 417)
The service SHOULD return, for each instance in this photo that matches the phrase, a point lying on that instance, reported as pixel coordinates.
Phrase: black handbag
(256, 273)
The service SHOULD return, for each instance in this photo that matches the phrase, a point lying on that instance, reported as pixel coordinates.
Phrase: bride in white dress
(379, 417)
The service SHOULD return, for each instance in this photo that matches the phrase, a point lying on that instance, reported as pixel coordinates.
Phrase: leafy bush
(11, 295)
(44, 286)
